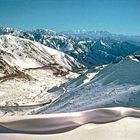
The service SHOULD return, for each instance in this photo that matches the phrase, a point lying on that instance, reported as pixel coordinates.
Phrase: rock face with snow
(5, 68)
(8, 72)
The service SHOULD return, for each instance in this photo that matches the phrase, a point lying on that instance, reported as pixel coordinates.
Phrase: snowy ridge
(115, 85)
(25, 53)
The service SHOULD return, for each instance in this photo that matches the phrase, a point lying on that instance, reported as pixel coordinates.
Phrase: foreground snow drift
(99, 124)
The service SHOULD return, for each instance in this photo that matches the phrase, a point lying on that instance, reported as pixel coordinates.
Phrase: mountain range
(74, 70)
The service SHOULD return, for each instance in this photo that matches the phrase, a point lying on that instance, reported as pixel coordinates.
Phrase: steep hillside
(24, 53)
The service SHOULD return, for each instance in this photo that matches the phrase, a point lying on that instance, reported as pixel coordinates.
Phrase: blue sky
(116, 16)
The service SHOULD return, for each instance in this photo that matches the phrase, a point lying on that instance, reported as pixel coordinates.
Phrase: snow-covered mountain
(93, 53)
(75, 70)
(101, 52)
(28, 69)
(95, 35)
(91, 48)
(33, 35)
(115, 85)
(24, 53)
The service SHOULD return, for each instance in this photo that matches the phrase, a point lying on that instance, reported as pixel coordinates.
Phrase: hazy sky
(117, 16)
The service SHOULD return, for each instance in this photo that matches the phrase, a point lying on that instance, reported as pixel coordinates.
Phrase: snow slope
(24, 53)
(115, 85)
